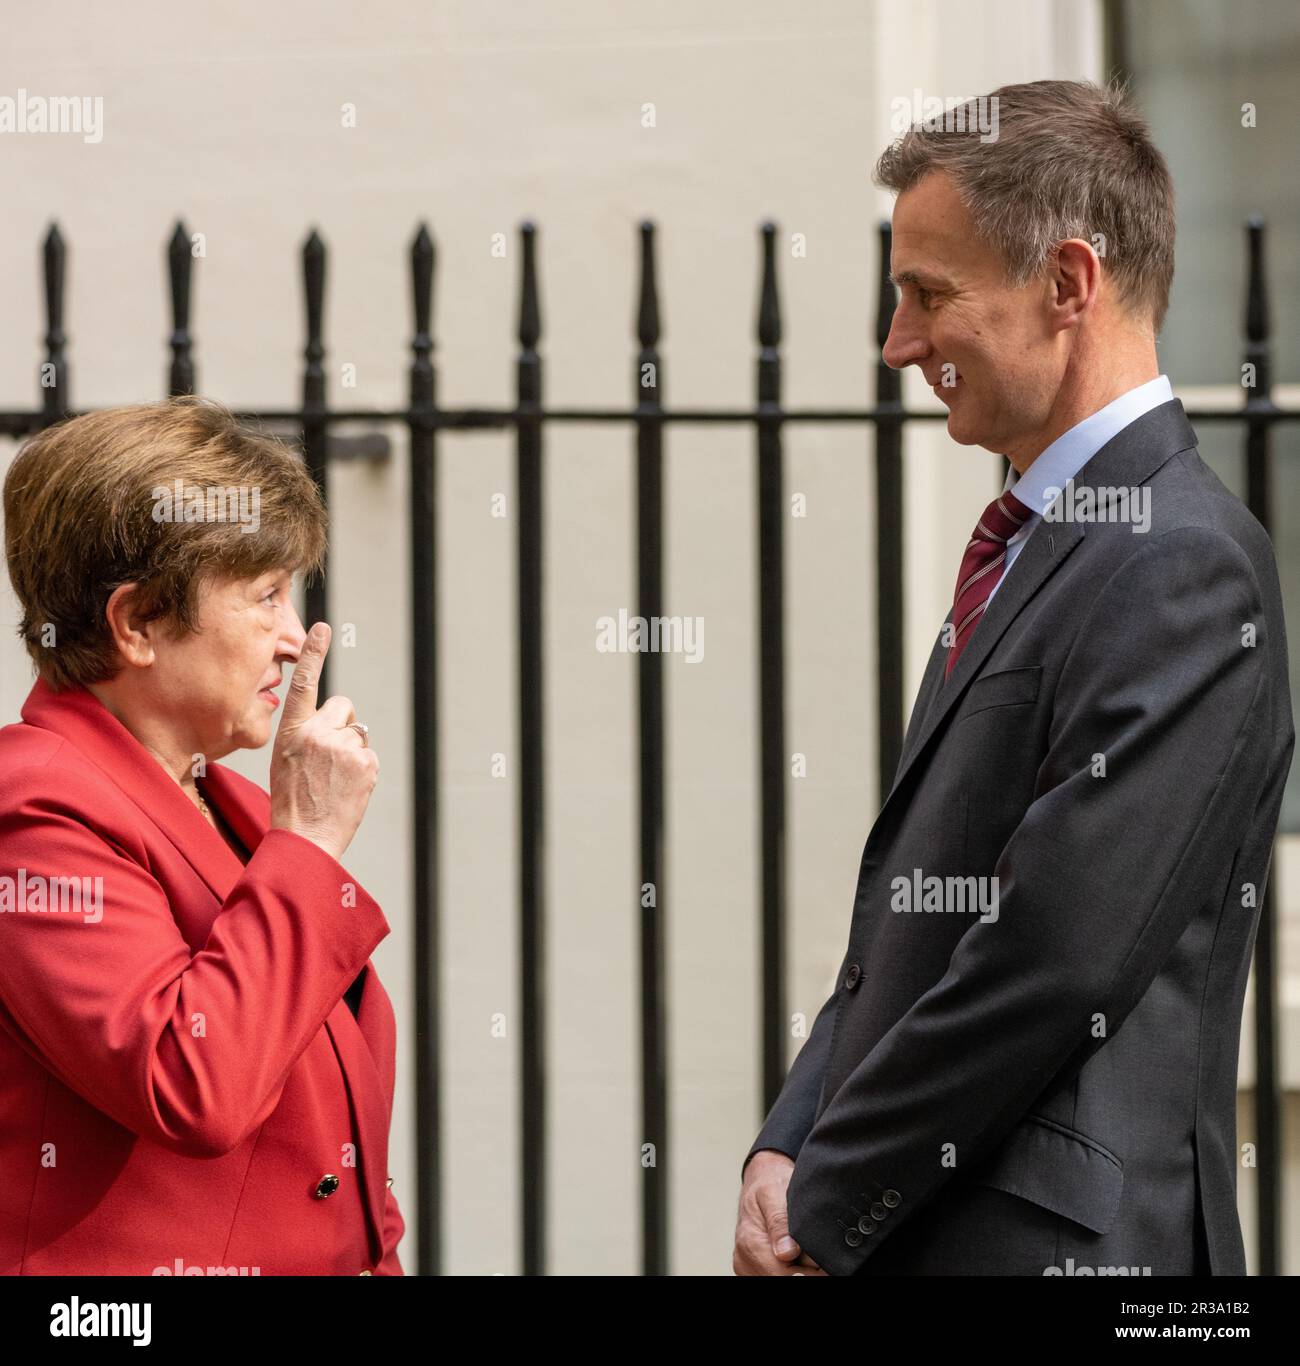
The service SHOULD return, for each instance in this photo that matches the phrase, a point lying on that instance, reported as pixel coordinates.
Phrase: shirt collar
(1072, 450)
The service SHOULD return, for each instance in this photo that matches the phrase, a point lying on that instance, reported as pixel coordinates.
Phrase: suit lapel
(79, 717)
(1128, 459)
(1039, 558)
(931, 682)
(245, 808)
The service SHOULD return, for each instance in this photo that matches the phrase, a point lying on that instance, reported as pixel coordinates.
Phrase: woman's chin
(253, 734)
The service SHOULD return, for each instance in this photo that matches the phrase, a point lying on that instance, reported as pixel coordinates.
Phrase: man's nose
(906, 343)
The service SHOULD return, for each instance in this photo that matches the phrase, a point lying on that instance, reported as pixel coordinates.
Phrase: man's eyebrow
(910, 277)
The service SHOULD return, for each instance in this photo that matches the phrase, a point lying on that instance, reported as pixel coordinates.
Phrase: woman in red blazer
(196, 1055)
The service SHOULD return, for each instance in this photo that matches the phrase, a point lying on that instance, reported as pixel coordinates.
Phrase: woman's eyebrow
(263, 583)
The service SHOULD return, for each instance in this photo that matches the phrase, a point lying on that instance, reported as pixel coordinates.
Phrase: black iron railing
(310, 426)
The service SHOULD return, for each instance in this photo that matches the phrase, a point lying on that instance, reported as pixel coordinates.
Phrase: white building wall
(475, 116)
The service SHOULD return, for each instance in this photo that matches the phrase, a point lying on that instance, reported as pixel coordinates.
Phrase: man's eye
(924, 296)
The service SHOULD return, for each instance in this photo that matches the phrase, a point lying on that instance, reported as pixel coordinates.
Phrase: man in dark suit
(1028, 1063)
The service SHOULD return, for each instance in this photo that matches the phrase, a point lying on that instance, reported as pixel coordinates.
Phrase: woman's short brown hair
(144, 494)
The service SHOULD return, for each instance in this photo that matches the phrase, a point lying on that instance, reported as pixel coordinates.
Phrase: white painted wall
(475, 116)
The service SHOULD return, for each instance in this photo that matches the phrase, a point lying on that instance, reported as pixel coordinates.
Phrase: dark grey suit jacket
(1055, 1090)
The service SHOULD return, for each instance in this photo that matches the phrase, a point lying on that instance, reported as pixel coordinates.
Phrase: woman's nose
(293, 637)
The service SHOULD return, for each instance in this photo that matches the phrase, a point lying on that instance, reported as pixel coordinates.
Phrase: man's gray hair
(1070, 159)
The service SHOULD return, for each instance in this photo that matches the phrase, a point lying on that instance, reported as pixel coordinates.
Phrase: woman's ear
(131, 635)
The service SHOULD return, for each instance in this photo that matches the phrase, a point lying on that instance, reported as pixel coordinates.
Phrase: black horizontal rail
(312, 427)
(17, 424)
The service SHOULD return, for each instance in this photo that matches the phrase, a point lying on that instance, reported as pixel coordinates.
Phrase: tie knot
(1000, 521)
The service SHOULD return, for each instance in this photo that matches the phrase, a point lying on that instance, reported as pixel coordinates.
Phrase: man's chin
(962, 432)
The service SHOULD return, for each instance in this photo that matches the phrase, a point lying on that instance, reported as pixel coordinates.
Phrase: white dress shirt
(1070, 452)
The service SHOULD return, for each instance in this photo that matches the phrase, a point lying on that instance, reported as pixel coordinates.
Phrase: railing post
(532, 923)
(180, 263)
(54, 370)
(771, 688)
(648, 396)
(889, 534)
(424, 774)
(1268, 1120)
(315, 429)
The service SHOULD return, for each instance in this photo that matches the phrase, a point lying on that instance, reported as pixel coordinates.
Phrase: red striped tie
(981, 567)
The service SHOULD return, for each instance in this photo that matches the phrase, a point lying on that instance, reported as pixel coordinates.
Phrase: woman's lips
(268, 696)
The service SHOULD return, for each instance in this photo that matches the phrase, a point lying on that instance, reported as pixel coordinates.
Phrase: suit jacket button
(326, 1186)
(365, 1273)
(852, 977)
(878, 1211)
(852, 1237)
(892, 1199)
(866, 1225)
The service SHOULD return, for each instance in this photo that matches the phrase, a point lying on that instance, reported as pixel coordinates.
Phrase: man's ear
(132, 636)
(1076, 282)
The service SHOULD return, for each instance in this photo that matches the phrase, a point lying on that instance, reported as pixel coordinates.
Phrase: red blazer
(182, 1086)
